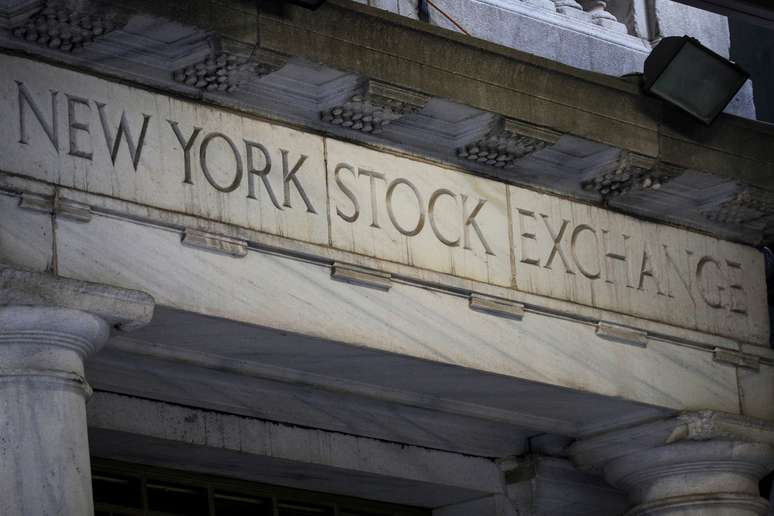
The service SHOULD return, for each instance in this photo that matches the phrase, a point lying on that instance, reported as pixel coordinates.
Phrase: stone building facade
(343, 262)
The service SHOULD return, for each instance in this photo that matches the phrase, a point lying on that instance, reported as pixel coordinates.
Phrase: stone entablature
(92, 135)
(523, 133)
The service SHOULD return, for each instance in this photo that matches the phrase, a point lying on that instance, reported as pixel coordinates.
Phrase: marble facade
(187, 281)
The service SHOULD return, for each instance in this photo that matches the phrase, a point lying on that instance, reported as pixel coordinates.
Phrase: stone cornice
(481, 74)
(633, 172)
(439, 63)
(420, 89)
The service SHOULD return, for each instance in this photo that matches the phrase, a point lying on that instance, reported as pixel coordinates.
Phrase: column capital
(120, 308)
(48, 326)
(699, 462)
(595, 451)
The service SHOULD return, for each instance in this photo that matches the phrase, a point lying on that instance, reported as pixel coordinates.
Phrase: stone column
(48, 326)
(698, 463)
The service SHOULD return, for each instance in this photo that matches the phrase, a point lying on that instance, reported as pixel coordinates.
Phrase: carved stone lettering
(289, 176)
(373, 177)
(631, 266)
(75, 126)
(206, 169)
(263, 173)
(123, 132)
(471, 222)
(161, 152)
(420, 214)
(421, 218)
(49, 127)
(186, 144)
(579, 230)
(438, 194)
(556, 244)
(348, 192)
(220, 166)
(417, 205)
(526, 236)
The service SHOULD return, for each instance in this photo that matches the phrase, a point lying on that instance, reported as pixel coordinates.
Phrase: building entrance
(125, 489)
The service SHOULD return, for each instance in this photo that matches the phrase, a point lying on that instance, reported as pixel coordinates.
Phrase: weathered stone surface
(555, 30)
(156, 151)
(604, 259)
(227, 71)
(546, 485)
(25, 236)
(416, 213)
(633, 172)
(265, 289)
(57, 25)
(125, 142)
(270, 452)
(373, 107)
(698, 463)
(677, 19)
(508, 142)
(44, 449)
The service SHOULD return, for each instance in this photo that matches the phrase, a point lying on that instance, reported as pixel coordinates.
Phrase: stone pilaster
(48, 326)
(698, 463)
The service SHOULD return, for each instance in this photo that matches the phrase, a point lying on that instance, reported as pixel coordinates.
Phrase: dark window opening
(124, 489)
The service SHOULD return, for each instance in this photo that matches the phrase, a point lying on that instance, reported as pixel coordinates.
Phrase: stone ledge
(121, 308)
(292, 455)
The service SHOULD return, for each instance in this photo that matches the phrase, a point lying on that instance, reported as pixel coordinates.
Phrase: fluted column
(699, 463)
(48, 326)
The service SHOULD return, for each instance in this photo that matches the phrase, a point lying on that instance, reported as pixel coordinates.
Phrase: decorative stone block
(737, 359)
(633, 172)
(214, 243)
(622, 334)
(60, 27)
(747, 205)
(355, 274)
(227, 72)
(507, 143)
(15, 12)
(373, 107)
(500, 307)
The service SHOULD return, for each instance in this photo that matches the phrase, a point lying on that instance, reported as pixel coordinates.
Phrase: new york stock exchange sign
(82, 132)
